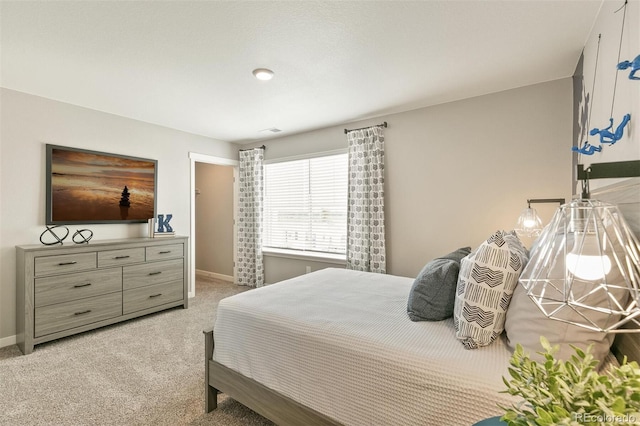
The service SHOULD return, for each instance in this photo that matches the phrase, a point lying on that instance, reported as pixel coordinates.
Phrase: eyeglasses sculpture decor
(53, 235)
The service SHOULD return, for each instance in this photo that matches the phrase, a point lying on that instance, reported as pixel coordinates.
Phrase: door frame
(209, 159)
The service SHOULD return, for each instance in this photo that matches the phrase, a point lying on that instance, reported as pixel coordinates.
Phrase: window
(305, 204)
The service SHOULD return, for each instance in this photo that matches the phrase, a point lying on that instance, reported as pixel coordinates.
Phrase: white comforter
(341, 343)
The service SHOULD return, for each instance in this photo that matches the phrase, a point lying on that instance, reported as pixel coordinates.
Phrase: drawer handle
(155, 295)
(67, 263)
(155, 273)
(165, 252)
(82, 312)
(122, 257)
(81, 285)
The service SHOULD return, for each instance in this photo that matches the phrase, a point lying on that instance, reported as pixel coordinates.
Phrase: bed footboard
(210, 393)
(268, 403)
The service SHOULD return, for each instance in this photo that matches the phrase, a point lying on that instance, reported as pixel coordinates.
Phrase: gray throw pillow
(433, 293)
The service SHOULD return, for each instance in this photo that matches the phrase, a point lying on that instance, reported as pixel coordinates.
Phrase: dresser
(67, 289)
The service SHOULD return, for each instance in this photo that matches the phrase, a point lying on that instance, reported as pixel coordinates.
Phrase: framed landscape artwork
(85, 186)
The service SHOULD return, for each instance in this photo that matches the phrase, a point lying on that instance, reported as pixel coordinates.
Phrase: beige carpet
(147, 371)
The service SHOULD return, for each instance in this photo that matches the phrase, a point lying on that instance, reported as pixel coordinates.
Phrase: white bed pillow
(525, 322)
(487, 279)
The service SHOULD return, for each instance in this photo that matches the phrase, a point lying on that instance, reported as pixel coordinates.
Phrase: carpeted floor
(147, 371)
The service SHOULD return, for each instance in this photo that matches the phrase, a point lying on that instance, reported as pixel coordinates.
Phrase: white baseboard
(8, 341)
(214, 275)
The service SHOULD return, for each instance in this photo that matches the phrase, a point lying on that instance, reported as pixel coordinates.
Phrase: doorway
(212, 238)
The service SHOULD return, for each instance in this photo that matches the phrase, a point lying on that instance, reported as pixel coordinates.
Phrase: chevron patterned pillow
(487, 279)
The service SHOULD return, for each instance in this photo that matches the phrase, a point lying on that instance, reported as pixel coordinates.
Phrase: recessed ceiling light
(263, 74)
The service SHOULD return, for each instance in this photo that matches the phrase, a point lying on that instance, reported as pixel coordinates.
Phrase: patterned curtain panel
(365, 215)
(249, 267)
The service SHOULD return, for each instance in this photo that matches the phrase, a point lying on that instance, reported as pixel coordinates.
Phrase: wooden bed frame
(286, 412)
(268, 403)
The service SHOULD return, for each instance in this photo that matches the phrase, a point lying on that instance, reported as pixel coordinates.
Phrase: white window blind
(305, 204)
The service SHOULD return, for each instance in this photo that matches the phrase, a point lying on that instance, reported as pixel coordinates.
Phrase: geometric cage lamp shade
(584, 268)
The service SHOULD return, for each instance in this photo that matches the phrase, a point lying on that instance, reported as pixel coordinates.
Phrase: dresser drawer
(168, 251)
(62, 288)
(152, 273)
(149, 296)
(63, 316)
(64, 263)
(120, 257)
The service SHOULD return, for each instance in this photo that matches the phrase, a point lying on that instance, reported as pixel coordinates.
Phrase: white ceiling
(187, 64)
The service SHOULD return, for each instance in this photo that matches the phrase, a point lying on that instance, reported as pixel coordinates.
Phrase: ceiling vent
(272, 130)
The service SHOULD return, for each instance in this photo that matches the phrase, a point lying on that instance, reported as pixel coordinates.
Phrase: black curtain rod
(249, 149)
(382, 125)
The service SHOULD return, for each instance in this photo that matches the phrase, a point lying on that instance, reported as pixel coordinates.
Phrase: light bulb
(587, 267)
(588, 259)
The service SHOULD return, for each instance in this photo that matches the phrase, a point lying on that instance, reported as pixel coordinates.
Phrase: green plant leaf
(560, 412)
(545, 344)
(514, 373)
(544, 418)
(554, 392)
(618, 405)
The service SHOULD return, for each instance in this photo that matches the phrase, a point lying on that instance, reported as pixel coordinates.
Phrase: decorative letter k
(162, 223)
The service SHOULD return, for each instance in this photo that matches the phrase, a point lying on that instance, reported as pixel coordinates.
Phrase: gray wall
(214, 219)
(454, 172)
(457, 172)
(29, 122)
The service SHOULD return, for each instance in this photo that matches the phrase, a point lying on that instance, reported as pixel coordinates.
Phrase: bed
(336, 347)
